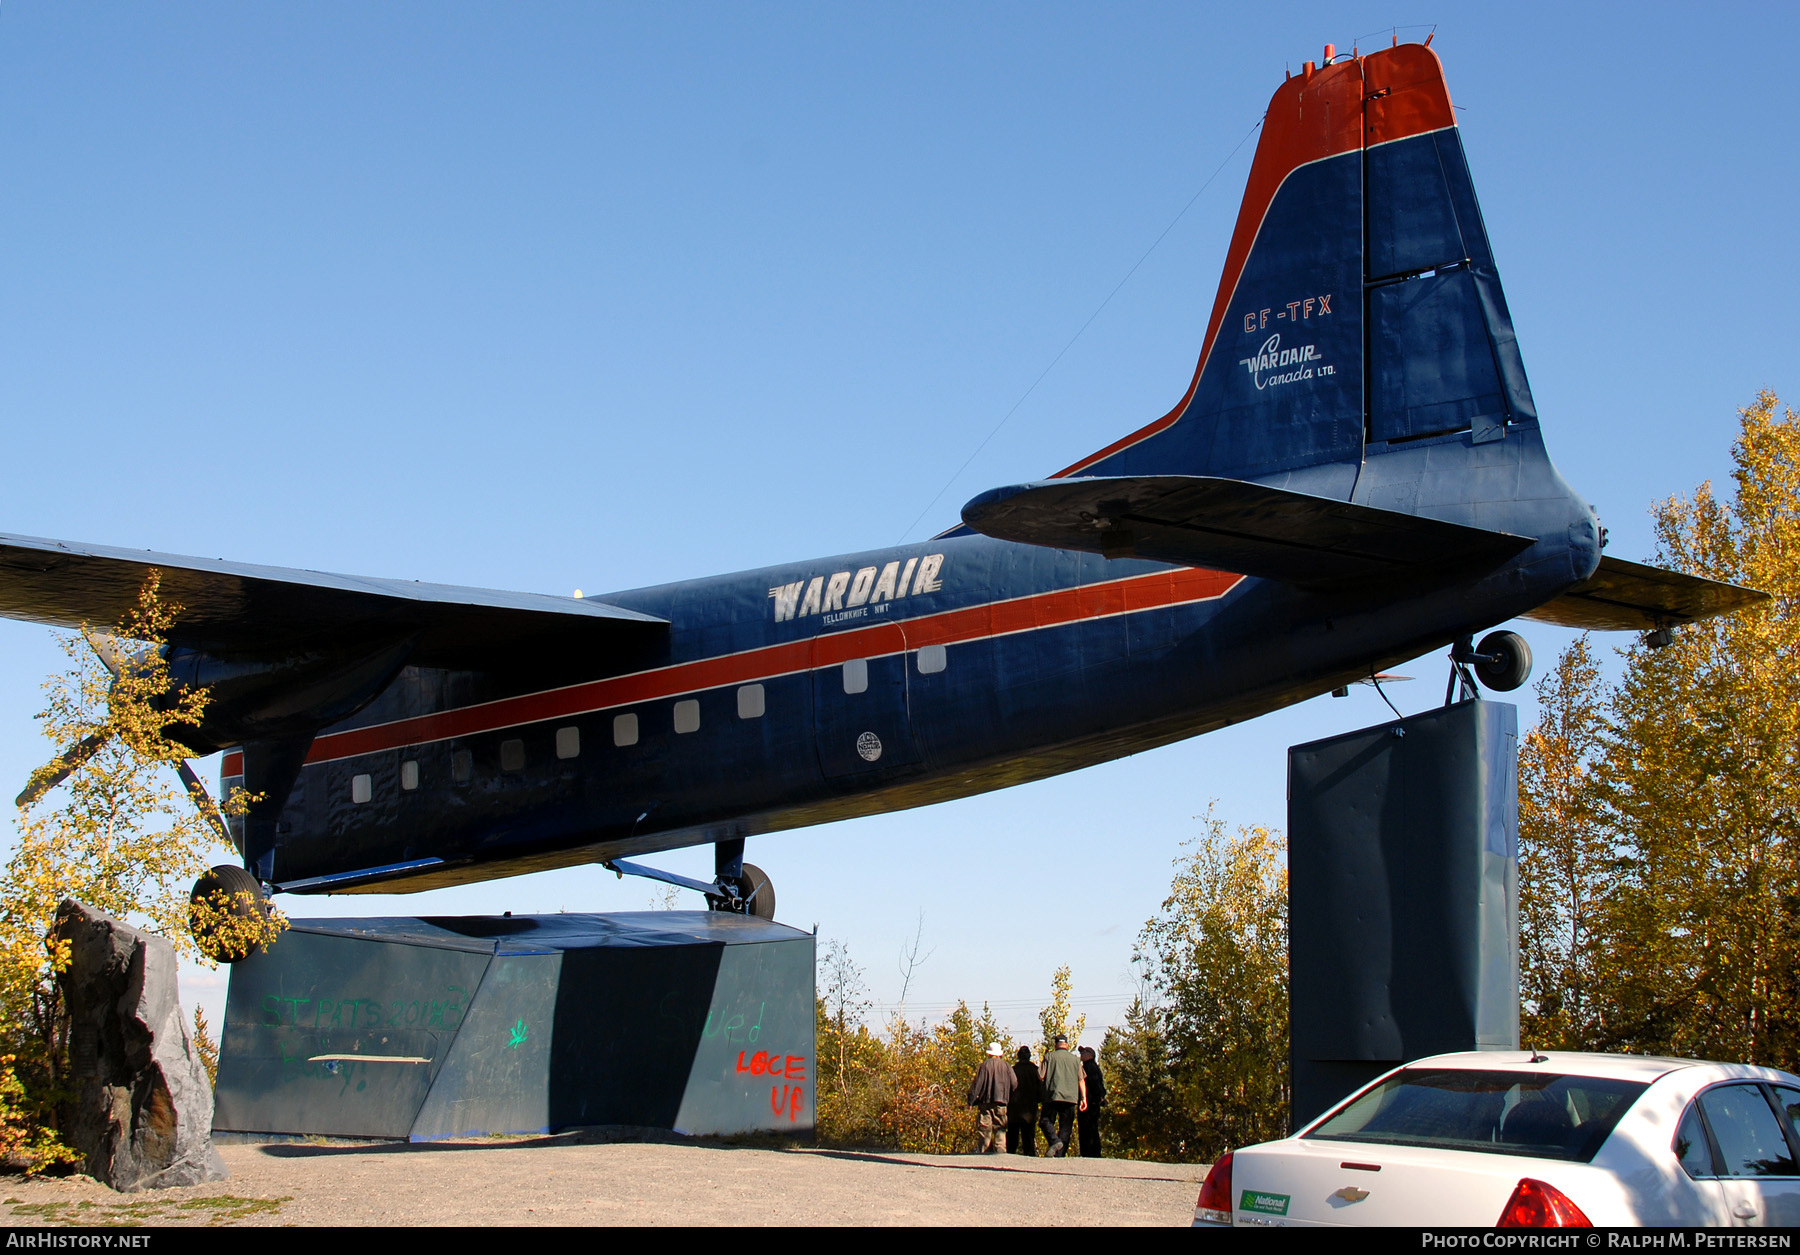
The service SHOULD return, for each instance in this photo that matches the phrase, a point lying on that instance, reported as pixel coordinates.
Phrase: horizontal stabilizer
(1235, 525)
(1631, 597)
(234, 607)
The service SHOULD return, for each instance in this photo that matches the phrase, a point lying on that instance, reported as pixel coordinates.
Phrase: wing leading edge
(236, 607)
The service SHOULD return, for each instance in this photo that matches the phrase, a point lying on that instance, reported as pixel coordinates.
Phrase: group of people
(1013, 1103)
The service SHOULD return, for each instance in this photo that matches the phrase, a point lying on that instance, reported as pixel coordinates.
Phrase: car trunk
(1319, 1182)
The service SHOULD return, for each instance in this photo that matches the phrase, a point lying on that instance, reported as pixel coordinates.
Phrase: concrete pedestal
(1403, 897)
(426, 1028)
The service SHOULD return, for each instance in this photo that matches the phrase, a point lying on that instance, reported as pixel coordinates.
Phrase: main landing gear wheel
(1505, 661)
(758, 891)
(756, 895)
(226, 905)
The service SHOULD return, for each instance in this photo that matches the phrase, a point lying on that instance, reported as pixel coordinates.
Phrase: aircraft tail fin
(1359, 305)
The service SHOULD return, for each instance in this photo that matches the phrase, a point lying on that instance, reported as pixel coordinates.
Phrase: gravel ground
(570, 1180)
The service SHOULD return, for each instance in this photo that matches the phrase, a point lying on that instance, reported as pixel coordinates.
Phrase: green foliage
(905, 1089)
(1202, 1070)
(28, 1140)
(1054, 1018)
(1206, 1069)
(119, 834)
(205, 1046)
(852, 1074)
(1148, 1112)
(1660, 816)
(1567, 863)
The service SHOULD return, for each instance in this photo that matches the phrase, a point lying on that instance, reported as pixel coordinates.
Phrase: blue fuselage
(876, 681)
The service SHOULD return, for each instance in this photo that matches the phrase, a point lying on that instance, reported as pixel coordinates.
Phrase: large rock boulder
(143, 1104)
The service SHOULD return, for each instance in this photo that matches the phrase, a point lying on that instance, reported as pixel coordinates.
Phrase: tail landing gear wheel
(1507, 661)
(225, 907)
(758, 891)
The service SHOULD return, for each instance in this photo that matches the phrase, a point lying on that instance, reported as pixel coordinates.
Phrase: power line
(1003, 1004)
(1395, 30)
(1084, 326)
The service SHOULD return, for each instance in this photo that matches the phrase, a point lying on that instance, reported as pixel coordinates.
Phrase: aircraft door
(862, 726)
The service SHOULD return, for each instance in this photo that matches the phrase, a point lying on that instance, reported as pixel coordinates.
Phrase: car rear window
(1545, 1115)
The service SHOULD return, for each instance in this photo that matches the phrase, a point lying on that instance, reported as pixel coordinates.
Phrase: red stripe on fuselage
(1157, 590)
(1309, 119)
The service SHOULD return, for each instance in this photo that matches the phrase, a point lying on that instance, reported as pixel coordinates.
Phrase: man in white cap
(989, 1093)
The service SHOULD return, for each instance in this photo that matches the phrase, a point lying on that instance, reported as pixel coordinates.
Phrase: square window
(932, 659)
(462, 767)
(750, 701)
(512, 755)
(362, 788)
(409, 774)
(856, 675)
(687, 716)
(624, 729)
(568, 742)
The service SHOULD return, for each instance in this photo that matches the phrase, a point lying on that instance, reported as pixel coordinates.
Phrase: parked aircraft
(1356, 475)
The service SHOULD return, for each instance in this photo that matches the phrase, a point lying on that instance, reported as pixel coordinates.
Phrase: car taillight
(1215, 1193)
(1540, 1205)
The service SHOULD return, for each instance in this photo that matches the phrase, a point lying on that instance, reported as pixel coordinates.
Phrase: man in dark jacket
(989, 1093)
(1088, 1118)
(1021, 1120)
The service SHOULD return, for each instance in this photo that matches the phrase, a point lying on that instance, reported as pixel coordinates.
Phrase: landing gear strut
(739, 887)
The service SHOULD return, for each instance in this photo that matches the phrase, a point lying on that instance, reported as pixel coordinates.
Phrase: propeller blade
(111, 656)
(52, 774)
(202, 799)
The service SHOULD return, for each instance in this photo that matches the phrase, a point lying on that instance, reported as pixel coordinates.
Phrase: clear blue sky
(558, 296)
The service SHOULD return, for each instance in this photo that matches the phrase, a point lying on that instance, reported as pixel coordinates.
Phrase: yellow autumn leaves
(1660, 811)
(120, 834)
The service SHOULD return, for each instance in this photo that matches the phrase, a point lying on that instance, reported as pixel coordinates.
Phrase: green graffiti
(519, 1033)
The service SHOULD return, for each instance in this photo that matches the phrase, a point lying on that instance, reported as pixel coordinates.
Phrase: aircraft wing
(1234, 525)
(1629, 596)
(230, 607)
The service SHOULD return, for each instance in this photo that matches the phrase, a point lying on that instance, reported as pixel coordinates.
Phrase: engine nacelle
(295, 692)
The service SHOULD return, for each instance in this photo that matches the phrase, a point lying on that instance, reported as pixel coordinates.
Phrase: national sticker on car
(1263, 1204)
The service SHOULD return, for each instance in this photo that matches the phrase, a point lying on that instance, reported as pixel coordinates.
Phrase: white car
(1495, 1138)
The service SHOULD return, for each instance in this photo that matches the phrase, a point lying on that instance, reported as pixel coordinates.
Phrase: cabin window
(750, 701)
(932, 659)
(409, 774)
(625, 730)
(856, 675)
(512, 755)
(687, 716)
(462, 767)
(362, 788)
(568, 742)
